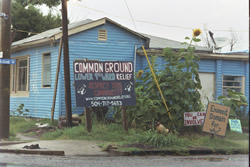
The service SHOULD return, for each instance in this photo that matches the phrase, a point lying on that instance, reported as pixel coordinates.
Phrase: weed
(160, 141)
(21, 111)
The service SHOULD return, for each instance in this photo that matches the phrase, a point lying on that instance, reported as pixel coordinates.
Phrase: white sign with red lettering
(194, 118)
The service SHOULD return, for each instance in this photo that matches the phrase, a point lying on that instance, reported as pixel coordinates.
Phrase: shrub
(179, 81)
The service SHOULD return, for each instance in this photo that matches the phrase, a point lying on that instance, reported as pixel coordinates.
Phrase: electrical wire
(153, 23)
(130, 14)
(141, 21)
(23, 31)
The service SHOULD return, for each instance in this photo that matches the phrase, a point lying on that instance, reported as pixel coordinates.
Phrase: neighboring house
(218, 72)
(33, 77)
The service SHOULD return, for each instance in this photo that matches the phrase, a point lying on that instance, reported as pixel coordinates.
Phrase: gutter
(201, 54)
(39, 42)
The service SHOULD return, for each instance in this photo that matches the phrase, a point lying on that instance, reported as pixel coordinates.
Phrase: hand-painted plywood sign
(216, 119)
(235, 125)
(99, 84)
(194, 118)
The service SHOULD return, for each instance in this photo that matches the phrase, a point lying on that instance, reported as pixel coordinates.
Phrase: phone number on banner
(105, 103)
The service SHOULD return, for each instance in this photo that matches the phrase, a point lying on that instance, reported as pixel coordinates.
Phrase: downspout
(135, 59)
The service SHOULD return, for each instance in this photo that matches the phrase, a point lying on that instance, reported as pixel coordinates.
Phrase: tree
(208, 41)
(234, 40)
(27, 20)
(49, 3)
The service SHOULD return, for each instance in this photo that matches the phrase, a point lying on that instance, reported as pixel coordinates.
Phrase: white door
(208, 88)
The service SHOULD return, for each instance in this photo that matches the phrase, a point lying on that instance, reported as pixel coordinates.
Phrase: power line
(149, 22)
(28, 32)
(130, 14)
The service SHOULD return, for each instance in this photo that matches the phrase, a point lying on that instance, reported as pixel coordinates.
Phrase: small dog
(161, 128)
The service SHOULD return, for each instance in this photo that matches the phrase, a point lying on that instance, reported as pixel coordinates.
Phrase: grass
(114, 134)
(110, 133)
(21, 125)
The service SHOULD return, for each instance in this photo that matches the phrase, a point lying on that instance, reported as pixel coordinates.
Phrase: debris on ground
(110, 147)
(161, 129)
(39, 131)
(140, 146)
(76, 120)
(41, 125)
(32, 146)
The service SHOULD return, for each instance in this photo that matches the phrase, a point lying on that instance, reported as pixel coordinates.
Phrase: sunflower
(196, 32)
(139, 73)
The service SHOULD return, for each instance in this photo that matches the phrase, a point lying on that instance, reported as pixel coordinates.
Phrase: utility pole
(66, 63)
(4, 68)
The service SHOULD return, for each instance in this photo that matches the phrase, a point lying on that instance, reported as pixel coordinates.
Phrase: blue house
(218, 72)
(33, 77)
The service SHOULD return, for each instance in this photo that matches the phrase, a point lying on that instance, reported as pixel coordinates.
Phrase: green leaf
(184, 43)
(196, 39)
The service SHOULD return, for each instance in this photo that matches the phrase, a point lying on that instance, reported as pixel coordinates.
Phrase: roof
(48, 33)
(243, 52)
(161, 43)
(202, 55)
(52, 35)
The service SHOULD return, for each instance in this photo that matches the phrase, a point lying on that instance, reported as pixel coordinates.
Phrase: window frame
(233, 87)
(16, 91)
(42, 79)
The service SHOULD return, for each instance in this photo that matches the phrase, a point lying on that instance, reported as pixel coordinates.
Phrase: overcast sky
(172, 19)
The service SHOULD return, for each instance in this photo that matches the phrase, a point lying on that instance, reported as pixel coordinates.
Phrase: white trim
(211, 56)
(16, 92)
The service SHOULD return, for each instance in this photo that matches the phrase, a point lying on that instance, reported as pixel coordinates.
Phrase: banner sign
(7, 61)
(194, 118)
(235, 125)
(216, 119)
(99, 84)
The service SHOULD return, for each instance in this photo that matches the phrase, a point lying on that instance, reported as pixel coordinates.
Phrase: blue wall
(39, 101)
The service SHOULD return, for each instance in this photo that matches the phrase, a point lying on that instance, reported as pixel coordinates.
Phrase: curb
(176, 152)
(11, 142)
(37, 152)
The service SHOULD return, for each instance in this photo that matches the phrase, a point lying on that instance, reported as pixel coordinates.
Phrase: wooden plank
(88, 121)
(56, 82)
(124, 119)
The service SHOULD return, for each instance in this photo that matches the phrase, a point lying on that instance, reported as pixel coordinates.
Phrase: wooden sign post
(124, 119)
(216, 119)
(88, 121)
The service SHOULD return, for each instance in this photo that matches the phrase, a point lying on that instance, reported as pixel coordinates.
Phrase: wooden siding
(207, 65)
(233, 68)
(39, 101)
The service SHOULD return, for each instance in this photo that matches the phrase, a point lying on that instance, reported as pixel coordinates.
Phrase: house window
(102, 35)
(19, 83)
(46, 70)
(235, 83)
